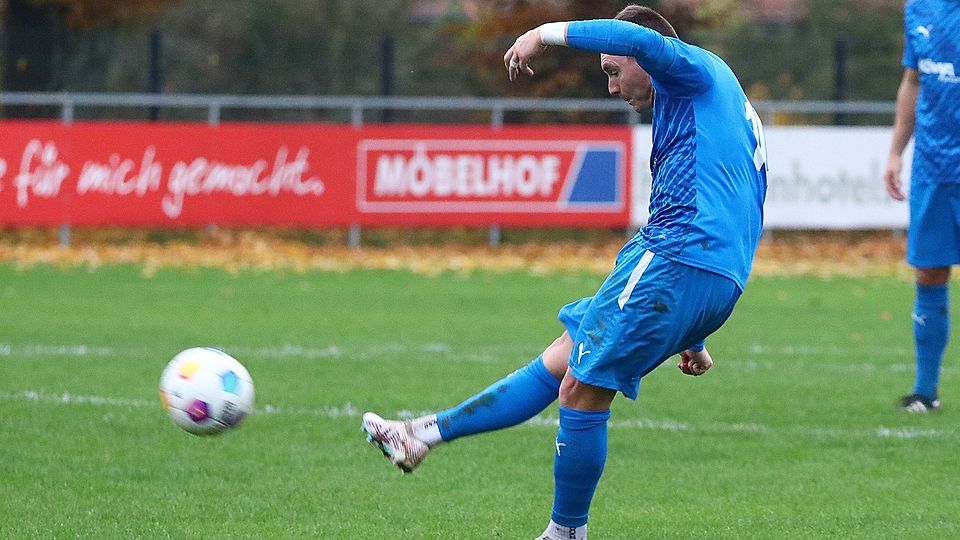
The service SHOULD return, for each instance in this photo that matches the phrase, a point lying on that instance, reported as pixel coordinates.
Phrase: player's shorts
(648, 309)
(933, 239)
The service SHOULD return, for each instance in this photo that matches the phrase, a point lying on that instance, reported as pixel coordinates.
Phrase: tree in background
(244, 46)
(369, 47)
(566, 74)
(786, 59)
(39, 35)
(91, 13)
(280, 46)
(795, 59)
(482, 41)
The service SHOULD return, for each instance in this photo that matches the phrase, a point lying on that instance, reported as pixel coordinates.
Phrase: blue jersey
(933, 49)
(708, 159)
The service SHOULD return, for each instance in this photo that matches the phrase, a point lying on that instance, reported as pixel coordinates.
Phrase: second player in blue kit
(928, 108)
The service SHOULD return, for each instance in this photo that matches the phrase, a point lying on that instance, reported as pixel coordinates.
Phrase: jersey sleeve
(909, 55)
(677, 66)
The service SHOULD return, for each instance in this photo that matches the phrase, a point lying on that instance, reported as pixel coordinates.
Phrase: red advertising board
(159, 174)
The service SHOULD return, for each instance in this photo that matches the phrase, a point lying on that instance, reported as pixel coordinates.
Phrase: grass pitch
(793, 434)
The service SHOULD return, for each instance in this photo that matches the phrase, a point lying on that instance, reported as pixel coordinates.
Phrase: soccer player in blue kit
(928, 107)
(674, 283)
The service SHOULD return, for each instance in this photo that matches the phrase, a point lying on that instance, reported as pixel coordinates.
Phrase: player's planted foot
(395, 440)
(560, 532)
(918, 403)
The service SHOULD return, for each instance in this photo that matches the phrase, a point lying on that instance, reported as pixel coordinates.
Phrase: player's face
(625, 78)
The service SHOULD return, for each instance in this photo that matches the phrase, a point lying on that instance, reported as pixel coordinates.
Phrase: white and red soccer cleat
(396, 441)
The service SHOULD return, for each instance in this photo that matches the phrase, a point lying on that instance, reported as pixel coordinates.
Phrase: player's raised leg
(507, 402)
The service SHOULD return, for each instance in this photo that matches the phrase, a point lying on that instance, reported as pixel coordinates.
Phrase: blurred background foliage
(804, 50)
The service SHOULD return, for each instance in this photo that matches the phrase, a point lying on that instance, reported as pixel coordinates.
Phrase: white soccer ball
(206, 391)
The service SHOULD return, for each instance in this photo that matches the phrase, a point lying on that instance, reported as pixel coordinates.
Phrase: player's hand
(695, 363)
(891, 177)
(517, 57)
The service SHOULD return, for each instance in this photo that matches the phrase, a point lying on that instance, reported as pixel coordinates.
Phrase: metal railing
(359, 106)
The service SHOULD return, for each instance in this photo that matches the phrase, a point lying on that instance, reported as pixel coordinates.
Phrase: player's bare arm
(695, 362)
(902, 131)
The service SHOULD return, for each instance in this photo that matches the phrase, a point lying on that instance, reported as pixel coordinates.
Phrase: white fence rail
(360, 107)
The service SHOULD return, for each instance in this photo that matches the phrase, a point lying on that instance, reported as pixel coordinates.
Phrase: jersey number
(760, 152)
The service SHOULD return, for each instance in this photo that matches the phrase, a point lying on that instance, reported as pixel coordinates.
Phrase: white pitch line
(66, 398)
(349, 411)
(270, 352)
(293, 350)
(758, 358)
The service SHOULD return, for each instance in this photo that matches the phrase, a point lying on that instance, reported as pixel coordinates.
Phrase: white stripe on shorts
(635, 277)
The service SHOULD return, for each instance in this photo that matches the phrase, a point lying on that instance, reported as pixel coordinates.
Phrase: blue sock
(507, 402)
(931, 328)
(578, 464)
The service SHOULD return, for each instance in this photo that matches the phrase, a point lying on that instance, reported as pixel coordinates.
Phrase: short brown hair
(647, 17)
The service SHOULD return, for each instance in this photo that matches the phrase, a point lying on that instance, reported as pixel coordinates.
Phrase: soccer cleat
(394, 439)
(917, 403)
(559, 532)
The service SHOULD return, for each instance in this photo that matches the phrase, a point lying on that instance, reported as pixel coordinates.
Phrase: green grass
(794, 433)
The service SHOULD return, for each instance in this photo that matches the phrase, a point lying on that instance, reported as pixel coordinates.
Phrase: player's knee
(584, 397)
(933, 276)
(557, 355)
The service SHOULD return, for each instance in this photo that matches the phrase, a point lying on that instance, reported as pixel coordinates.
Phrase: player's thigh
(710, 299)
(557, 354)
(634, 322)
(672, 309)
(933, 239)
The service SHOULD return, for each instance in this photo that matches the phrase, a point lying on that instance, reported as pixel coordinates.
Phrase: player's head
(625, 78)
(647, 17)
